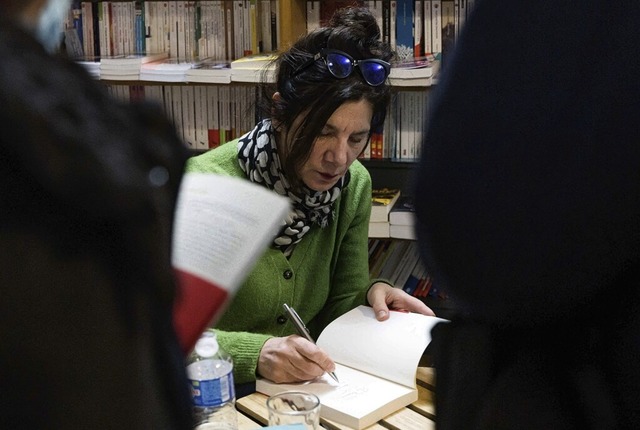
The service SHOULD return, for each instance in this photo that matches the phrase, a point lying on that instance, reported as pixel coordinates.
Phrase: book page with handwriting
(357, 401)
(376, 364)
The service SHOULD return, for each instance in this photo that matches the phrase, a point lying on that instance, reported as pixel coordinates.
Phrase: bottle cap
(207, 346)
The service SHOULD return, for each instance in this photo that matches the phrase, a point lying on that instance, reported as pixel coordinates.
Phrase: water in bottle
(210, 373)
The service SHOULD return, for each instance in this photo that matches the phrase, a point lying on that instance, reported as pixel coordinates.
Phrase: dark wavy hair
(313, 94)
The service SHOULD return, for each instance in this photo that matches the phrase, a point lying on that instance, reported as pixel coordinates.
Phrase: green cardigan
(326, 275)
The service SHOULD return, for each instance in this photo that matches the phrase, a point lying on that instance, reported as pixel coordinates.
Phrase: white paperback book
(220, 231)
(376, 364)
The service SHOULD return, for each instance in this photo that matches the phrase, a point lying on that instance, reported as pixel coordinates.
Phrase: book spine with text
(427, 26)
(418, 35)
(313, 15)
(393, 17)
(140, 28)
(436, 26)
(213, 119)
(265, 26)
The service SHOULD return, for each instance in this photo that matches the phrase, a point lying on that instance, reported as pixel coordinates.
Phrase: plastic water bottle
(210, 373)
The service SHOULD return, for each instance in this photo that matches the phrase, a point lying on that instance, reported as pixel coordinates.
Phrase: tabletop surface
(252, 410)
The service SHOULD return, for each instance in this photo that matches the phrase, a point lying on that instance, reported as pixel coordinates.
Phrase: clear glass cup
(294, 407)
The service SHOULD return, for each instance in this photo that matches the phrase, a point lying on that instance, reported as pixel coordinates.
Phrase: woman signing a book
(330, 94)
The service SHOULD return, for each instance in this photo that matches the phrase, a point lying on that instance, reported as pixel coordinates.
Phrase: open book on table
(376, 364)
(220, 229)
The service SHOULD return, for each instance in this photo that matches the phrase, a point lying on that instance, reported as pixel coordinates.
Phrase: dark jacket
(528, 201)
(88, 187)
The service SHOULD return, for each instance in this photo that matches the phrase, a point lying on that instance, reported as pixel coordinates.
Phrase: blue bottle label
(213, 392)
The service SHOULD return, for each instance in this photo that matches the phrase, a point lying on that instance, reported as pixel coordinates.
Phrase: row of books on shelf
(392, 215)
(404, 127)
(159, 67)
(209, 115)
(184, 29)
(200, 35)
(231, 29)
(398, 261)
(413, 28)
(205, 116)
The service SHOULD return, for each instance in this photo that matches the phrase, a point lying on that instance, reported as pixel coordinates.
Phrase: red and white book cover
(220, 231)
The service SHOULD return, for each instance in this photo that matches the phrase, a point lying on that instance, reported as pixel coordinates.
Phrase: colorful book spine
(76, 12)
(140, 28)
(404, 29)
(418, 34)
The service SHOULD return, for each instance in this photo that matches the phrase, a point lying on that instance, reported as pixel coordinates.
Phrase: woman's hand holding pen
(383, 297)
(292, 359)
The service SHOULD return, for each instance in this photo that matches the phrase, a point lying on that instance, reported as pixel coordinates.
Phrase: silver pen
(302, 329)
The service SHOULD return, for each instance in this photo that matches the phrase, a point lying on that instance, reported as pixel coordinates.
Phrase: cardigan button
(282, 319)
(287, 274)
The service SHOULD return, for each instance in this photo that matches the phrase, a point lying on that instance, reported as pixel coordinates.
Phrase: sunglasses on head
(340, 64)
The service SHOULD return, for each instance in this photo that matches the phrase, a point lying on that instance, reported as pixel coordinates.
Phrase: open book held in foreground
(376, 363)
(220, 230)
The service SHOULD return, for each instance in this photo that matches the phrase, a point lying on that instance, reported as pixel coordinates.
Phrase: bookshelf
(388, 168)
(391, 174)
(292, 23)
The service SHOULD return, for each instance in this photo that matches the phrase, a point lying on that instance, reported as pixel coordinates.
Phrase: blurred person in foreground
(86, 209)
(528, 201)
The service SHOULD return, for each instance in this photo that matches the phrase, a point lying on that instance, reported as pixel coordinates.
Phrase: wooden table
(420, 415)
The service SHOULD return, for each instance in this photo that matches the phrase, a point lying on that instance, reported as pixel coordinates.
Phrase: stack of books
(419, 71)
(254, 68)
(402, 219)
(166, 70)
(210, 71)
(91, 63)
(382, 200)
(127, 67)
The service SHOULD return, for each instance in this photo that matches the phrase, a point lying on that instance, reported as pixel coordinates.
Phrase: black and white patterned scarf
(259, 159)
